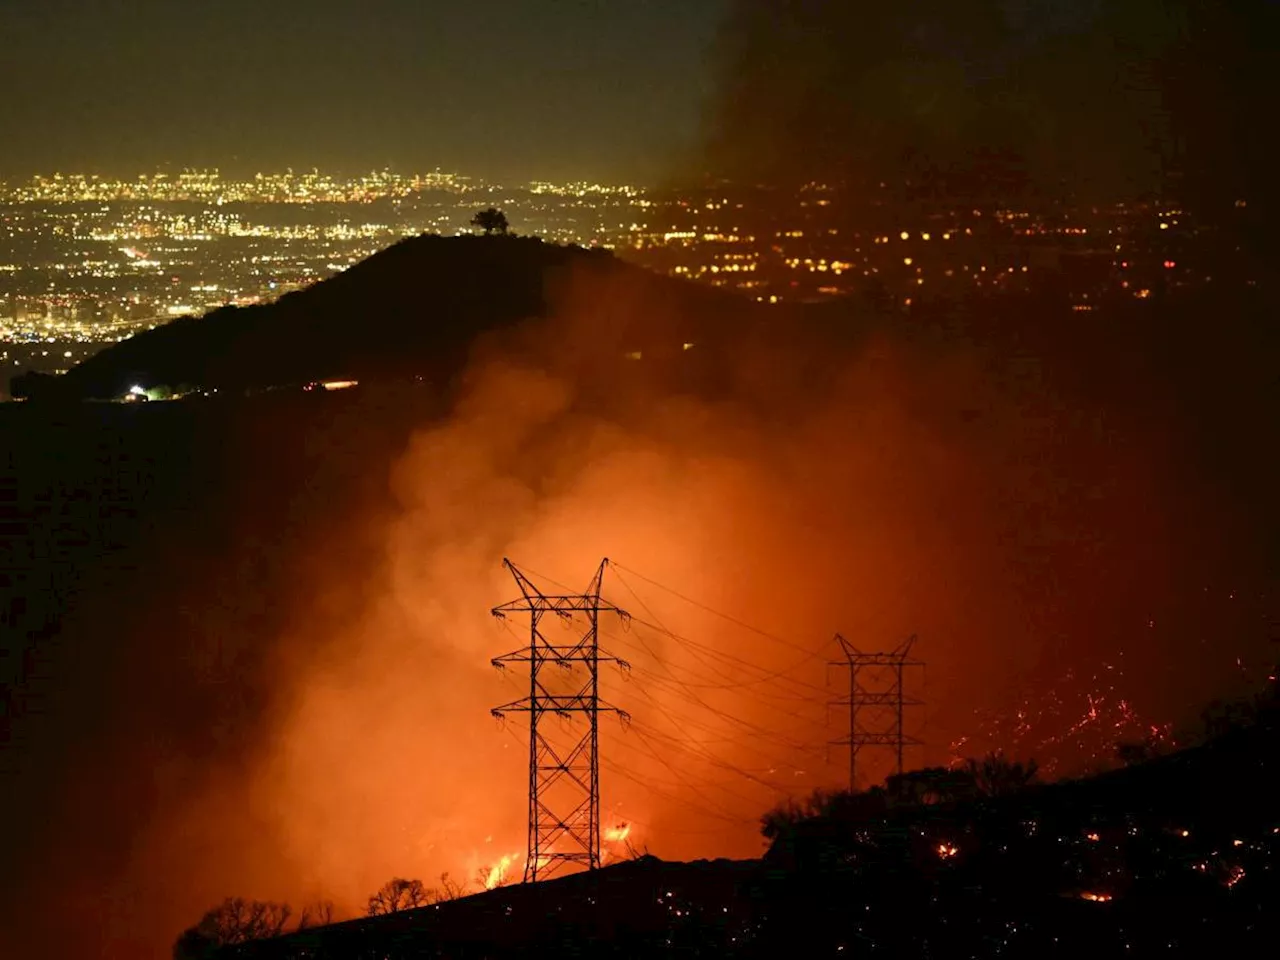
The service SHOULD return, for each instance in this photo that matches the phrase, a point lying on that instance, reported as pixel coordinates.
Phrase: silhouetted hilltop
(412, 310)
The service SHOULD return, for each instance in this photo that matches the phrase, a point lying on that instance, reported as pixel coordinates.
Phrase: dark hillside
(413, 310)
(637, 908)
(1173, 855)
(149, 556)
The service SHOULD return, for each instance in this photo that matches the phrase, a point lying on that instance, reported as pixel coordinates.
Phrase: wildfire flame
(617, 834)
(946, 850)
(497, 874)
(1095, 897)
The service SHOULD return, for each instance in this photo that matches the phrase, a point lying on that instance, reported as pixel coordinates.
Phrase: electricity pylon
(876, 701)
(564, 785)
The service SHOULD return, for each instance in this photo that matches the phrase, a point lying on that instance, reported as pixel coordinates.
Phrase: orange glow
(617, 834)
(946, 850)
(1095, 897)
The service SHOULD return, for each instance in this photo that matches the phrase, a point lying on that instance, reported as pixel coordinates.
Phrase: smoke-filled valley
(273, 678)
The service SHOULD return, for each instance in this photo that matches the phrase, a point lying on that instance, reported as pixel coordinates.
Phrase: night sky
(502, 88)
(1100, 98)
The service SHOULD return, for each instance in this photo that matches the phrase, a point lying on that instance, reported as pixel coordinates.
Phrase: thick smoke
(304, 712)
(996, 98)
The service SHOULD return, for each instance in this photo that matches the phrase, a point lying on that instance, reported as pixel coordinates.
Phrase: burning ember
(1073, 721)
(946, 850)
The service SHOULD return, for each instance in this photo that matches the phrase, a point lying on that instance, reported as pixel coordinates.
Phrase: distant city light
(134, 254)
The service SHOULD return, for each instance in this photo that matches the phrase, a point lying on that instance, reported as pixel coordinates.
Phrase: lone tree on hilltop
(399, 894)
(492, 221)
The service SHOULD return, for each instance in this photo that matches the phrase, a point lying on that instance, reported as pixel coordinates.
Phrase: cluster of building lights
(95, 259)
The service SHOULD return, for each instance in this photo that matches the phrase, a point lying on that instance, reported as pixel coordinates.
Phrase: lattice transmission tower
(564, 784)
(877, 701)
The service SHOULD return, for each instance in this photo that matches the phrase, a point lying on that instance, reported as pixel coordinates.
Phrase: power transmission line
(693, 645)
(694, 693)
(748, 739)
(578, 831)
(564, 786)
(724, 616)
(698, 699)
(769, 674)
(876, 704)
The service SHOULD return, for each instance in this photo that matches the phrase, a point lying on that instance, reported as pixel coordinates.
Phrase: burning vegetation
(974, 868)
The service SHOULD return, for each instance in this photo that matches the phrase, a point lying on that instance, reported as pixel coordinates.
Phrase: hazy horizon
(504, 88)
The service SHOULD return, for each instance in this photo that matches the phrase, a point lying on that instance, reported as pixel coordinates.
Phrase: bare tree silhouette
(996, 776)
(318, 914)
(235, 920)
(399, 894)
(451, 889)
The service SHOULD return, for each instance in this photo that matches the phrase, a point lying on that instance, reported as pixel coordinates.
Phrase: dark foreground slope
(1175, 857)
(413, 310)
(638, 908)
